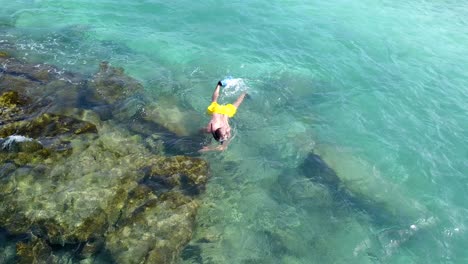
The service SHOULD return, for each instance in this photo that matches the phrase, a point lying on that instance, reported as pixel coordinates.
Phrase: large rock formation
(79, 169)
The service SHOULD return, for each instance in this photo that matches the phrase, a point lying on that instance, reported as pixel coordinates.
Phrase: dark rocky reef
(84, 169)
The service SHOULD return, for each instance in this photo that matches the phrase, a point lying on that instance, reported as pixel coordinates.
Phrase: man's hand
(204, 149)
(217, 148)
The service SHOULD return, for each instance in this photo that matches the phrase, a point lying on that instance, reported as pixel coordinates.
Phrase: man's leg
(216, 93)
(239, 100)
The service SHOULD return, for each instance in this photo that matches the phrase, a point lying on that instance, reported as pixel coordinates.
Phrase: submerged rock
(17, 151)
(158, 218)
(187, 173)
(315, 168)
(401, 221)
(11, 99)
(12, 106)
(35, 251)
(166, 111)
(19, 144)
(72, 177)
(110, 85)
(155, 231)
(96, 194)
(48, 125)
(17, 83)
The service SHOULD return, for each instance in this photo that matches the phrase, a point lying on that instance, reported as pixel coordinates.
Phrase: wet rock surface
(84, 170)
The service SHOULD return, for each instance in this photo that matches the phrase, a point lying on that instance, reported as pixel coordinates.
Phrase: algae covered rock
(3, 54)
(110, 84)
(98, 193)
(35, 251)
(12, 106)
(48, 125)
(20, 144)
(155, 232)
(17, 151)
(11, 99)
(158, 218)
(71, 177)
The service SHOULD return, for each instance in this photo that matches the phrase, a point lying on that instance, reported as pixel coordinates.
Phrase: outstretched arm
(217, 148)
(222, 147)
(215, 96)
(239, 99)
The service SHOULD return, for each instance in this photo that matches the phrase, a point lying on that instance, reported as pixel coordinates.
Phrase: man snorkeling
(219, 123)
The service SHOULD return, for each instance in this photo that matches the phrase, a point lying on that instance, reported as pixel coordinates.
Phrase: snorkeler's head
(218, 135)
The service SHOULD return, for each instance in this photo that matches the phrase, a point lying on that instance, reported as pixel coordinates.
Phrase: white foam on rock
(13, 139)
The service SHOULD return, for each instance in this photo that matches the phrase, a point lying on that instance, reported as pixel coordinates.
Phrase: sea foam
(10, 140)
(235, 86)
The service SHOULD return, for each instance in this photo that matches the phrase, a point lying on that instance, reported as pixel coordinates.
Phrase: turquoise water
(378, 89)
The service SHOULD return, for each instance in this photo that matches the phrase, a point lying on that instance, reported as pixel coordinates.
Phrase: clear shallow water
(377, 89)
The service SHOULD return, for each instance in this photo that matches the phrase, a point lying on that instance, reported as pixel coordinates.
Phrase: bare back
(218, 121)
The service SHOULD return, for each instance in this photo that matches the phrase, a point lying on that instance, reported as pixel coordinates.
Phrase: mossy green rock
(96, 193)
(48, 125)
(36, 251)
(188, 174)
(80, 179)
(110, 85)
(156, 232)
(12, 106)
(11, 99)
(156, 224)
(41, 156)
(27, 145)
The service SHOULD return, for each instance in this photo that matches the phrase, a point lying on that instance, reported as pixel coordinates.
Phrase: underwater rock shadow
(315, 186)
(316, 170)
(380, 245)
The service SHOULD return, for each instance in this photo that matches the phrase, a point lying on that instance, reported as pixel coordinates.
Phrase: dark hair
(217, 134)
